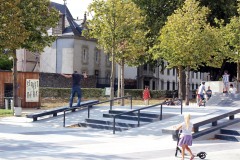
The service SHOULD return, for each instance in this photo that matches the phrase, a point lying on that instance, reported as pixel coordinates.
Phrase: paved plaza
(21, 138)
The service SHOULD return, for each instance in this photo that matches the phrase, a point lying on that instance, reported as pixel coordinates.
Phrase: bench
(213, 118)
(207, 119)
(55, 111)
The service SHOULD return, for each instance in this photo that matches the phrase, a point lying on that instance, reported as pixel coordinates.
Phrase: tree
(223, 9)
(118, 26)
(5, 62)
(232, 41)
(157, 12)
(12, 31)
(34, 18)
(187, 41)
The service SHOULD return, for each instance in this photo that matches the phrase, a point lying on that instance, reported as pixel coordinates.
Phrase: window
(97, 56)
(168, 85)
(173, 71)
(145, 67)
(96, 72)
(168, 71)
(162, 84)
(192, 86)
(173, 85)
(85, 55)
(196, 86)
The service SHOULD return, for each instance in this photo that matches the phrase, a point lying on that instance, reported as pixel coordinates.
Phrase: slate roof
(74, 27)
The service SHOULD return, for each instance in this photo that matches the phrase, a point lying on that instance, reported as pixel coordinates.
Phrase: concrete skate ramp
(224, 100)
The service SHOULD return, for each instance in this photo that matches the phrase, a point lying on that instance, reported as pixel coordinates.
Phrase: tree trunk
(187, 86)
(112, 78)
(238, 75)
(119, 82)
(180, 83)
(15, 86)
(122, 82)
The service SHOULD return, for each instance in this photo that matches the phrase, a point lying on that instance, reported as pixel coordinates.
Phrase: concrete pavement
(21, 138)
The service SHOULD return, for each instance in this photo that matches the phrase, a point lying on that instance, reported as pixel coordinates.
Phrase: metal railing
(90, 105)
(138, 110)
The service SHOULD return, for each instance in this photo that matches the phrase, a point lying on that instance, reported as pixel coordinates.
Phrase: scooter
(201, 155)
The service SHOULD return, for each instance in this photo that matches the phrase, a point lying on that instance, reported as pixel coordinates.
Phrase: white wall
(48, 60)
(216, 86)
(129, 72)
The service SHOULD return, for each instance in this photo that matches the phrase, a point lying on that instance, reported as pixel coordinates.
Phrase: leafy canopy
(5, 62)
(12, 31)
(24, 24)
(187, 39)
(232, 37)
(118, 27)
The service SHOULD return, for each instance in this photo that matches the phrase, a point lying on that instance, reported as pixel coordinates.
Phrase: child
(146, 95)
(233, 91)
(186, 136)
(209, 93)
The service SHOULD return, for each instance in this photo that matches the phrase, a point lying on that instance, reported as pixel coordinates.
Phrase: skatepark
(46, 138)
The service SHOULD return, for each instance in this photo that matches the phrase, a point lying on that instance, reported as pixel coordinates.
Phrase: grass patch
(5, 113)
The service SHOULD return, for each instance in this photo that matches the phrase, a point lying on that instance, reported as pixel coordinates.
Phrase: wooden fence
(6, 81)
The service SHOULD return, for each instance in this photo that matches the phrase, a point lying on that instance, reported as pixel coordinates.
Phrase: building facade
(162, 78)
(72, 52)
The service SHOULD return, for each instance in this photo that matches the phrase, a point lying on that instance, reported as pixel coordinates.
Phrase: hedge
(99, 92)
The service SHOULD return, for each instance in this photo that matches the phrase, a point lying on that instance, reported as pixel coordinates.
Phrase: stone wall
(58, 81)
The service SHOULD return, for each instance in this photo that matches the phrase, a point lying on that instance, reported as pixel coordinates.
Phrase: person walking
(146, 95)
(225, 79)
(186, 136)
(201, 89)
(76, 88)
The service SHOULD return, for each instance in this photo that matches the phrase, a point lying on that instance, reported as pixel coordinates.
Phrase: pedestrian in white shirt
(225, 79)
(201, 91)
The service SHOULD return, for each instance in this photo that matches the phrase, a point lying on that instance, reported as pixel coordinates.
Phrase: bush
(65, 92)
(99, 92)
(5, 113)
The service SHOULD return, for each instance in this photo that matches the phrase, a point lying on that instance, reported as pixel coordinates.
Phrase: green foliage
(118, 32)
(157, 14)
(37, 18)
(5, 113)
(232, 37)
(65, 92)
(12, 31)
(5, 62)
(99, 93)
(187, 39)
(220, 9)
(24, 24)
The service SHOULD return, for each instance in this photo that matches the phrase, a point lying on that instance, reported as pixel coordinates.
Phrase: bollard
(6, 103)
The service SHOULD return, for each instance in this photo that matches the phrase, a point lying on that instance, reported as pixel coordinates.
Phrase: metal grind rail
(90, 105)
(138, 110)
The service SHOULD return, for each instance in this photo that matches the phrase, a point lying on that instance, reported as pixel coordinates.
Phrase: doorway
(8, 90)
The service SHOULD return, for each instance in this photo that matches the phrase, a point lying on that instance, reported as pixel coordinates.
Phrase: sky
(76, 7)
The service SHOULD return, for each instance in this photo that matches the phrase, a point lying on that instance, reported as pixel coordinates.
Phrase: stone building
(70, 52)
